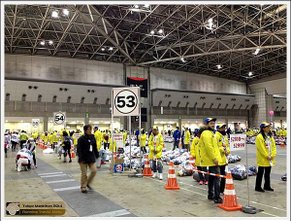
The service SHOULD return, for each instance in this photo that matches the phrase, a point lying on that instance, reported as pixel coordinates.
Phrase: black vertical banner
(139, 82)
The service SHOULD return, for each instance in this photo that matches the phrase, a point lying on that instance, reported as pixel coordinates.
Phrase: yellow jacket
(112, 145)
(223, 146)
(187, 137)
(195, 151)
(158, 147)
(142, 140)
(124, 137)
(208, 148)
(265, 148)
(98, 137)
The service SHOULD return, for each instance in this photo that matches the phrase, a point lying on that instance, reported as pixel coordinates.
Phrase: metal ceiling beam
(13, 27)
(210, 53)
(82, 42)
(75, 16)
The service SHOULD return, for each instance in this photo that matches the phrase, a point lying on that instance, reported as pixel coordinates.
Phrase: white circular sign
(59, 118)
(35, 122)
(126, 101)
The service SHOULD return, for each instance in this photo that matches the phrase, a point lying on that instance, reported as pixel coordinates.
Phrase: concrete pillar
(86, 118)
(260, 100)
(45, 123)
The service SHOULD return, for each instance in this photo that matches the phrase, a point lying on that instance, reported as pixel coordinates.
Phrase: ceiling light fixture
(136, 6)
(42, 42)
(102, 49)
(110, 48)
(257, 51)
(219, 66)
(250, 74)
(50, 42)
(161, 31)
(183, 60)
(55, 14)
(66, 12)
(146, 5)
(152, 32)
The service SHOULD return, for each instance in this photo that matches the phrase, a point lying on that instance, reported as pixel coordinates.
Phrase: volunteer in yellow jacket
(98, 137)
(210, 157)
(142, 141)
(187, 139)
(156, 143)
(195, 153)
(224, 150)
(266, 152)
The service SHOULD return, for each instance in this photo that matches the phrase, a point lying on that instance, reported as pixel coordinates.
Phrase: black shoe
(70, 161)
(89, 187)
(210, 197)
(84, 191)
(65, 161)
(259, 190)
(218, 200)
(269, 189)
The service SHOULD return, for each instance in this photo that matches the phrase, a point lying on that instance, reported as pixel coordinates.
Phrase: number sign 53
(126, 102)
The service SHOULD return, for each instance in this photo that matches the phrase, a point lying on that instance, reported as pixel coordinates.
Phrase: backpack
(67, 143)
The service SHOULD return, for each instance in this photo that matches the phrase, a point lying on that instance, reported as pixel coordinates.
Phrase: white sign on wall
(35, 122)
(237, 142)
(59, 118)
(126, 101)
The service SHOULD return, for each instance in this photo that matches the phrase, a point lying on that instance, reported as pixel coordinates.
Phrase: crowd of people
(209, 147)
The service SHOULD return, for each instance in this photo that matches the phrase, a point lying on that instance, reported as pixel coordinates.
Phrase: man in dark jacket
(87, 155)
(177, 136)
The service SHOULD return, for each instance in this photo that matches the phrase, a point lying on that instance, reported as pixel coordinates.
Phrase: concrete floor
(142, 197)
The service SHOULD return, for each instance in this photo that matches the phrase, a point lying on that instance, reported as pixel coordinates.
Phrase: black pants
(259, 177)
(106, 145)
(187, 147)
(34, 159)
(176, 144)
(13, 145)
(5, 149)
(21, 143)
(213, 183)
(67, 151)
(143, 149)
(222, 180)
(203, 177)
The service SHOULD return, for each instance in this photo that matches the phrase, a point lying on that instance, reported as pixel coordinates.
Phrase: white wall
(278, 86)
(178, 80)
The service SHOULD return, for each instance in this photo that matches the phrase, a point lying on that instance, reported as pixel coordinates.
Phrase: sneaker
(210, 197)
(160, 176)
(218, 200)
(200, 182)
(155, 175)
(206, 183)
(70, 161)
(65, 161)
(84, 191)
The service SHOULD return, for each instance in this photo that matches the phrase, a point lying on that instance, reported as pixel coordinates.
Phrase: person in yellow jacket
(195, 153)
(187, 139)
(210, 157)
(124, 137)
(224, 150)
(142, 141)
(266, 153)
(98, 137)
(156, 144)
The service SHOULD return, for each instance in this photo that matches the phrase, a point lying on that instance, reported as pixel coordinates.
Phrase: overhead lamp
(183, 60)
(250, 74)
(55, 14)
(146, 5)
(66, 12)
(257, 51)
(152, 32)
(136, 6)
(102, 49)
(219, 66)
(161, 31)
(50, 42)
(42, 42)
(110, 48)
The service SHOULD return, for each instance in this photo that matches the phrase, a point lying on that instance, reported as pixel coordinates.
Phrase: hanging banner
(237, 142)
(118, 138)
(142, 83)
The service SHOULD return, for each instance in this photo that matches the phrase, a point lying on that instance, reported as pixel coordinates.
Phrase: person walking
(224, 150)
(67, 143)
(265, 154)
(195, 153)
(31, 147)
(187, 139)
(23, 138)
(210, 158)
(14, 141)
(177, 136)
(156, 144)
(143, 139)
(87, 155)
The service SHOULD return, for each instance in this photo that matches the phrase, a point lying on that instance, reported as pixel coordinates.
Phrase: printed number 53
(128, 101)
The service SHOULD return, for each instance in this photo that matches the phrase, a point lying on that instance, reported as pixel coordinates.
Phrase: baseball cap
(264, 124)
(220, 125)
(208, 119)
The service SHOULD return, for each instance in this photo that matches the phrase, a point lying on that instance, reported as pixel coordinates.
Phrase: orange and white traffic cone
(172, 183)
(229, 199)
(147, 169)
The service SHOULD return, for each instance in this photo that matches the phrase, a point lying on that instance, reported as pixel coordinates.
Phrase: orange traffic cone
(73, 155)
(229, 199)
(147, 169)
(172, 180)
